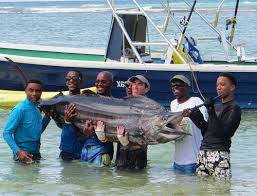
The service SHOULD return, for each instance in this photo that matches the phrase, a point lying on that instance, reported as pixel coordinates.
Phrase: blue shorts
(185, 169)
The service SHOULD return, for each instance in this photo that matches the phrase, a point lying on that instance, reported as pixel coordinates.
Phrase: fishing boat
(129, 52)
(8, 99)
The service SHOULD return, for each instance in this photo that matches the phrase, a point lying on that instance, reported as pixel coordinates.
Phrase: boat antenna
(216, 21)
(167, 19)
(22, 75)
(233, 21)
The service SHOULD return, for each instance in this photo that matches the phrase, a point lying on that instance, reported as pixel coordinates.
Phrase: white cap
(141, 78)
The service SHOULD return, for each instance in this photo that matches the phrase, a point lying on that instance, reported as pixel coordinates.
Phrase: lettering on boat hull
(120, 83)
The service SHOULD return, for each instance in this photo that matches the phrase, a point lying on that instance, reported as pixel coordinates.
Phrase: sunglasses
(75, 78)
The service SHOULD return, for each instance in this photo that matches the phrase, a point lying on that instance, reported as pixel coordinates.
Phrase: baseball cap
(141, 78)
(181, 78)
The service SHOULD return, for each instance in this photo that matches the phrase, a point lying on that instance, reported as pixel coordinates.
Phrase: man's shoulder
(193, 101)
(174, 101)
(18, 110)
(236, 104)
(232, 105)
(20, 106)
(23, 106)
(196, 100)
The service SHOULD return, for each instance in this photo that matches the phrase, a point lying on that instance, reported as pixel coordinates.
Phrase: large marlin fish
(146, 121)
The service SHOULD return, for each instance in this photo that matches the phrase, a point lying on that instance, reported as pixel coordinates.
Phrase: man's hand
(89, 129)
(24, 157)
(122, 135)
(50, 113)
(187, 112)
(69, 112)
(99, 131)
(209, 102)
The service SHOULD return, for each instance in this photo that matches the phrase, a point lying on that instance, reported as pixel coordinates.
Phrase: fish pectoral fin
(175, 130)
(174, 118)
(169, 137)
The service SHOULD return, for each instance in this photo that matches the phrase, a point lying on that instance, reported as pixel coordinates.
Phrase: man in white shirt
(186, 148)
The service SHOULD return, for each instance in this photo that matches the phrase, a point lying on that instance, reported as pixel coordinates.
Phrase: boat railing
(171, 47)
(213, 27)
(226, 43)
(134, 44)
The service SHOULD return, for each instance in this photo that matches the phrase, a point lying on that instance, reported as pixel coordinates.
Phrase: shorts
(131, 158)
(185, 169)
(215, 163)
(67, 156)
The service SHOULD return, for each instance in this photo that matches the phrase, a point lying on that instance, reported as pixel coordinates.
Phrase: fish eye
(170, 125)
(165, 118)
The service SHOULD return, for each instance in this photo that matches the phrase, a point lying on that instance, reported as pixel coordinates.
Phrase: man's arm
(11, 127)
(45, 121)
(197, 118)
(89, 129)
(122, 136)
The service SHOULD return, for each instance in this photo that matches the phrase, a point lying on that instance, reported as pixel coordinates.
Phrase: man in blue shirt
(71, 143)
(25, 125)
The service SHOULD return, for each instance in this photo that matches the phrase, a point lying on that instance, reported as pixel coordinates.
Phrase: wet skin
(128, 88)
(180, 90)
(139, 88)
(33, 92)
(103, 84)
(225, 89)
(73, 82)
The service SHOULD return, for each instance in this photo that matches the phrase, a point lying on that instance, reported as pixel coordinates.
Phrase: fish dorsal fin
(88, 92)
(144, 103)
(58, 95)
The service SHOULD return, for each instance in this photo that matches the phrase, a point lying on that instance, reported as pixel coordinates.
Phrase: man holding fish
(71, 144)
(130, 155)
(96, 148)
(186, 148)
(224, 119)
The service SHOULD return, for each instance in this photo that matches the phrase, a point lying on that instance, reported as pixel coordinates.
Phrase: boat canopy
(136, 27)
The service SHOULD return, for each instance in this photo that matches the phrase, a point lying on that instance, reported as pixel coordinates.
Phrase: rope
(194, 77)
(195, 80)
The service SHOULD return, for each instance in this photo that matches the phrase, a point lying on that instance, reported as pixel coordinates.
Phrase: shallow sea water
(54, 177)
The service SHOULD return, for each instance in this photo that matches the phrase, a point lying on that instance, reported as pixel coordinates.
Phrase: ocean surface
(86, 24)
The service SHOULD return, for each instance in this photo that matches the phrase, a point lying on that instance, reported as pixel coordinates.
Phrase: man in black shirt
(131, 155)
(224, 119)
